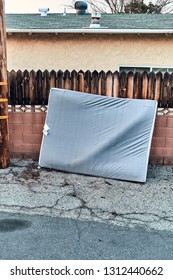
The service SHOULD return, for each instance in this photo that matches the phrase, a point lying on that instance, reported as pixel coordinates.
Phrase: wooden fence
(32, 88)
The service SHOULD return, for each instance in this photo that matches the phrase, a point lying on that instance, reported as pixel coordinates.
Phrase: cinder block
(155, 160)
(161, 121)
(163, 152)
(168, 161)
(169, 142)
(16, 137)
(158, 142)
(170, 122)
(22, 128)
(32, 138)
(23, 148)
(15, 118)
(164, 132)
(37, 128)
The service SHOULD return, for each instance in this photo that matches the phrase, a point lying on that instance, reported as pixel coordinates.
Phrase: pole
(4, 130)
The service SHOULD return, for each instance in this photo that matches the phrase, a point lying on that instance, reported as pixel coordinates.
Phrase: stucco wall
(87, 52)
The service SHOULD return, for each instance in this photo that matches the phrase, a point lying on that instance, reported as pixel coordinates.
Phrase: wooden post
(4, 131)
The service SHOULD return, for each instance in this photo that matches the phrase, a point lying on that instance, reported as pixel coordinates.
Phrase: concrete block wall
(25, 131)
(162, 141)
(26, 134)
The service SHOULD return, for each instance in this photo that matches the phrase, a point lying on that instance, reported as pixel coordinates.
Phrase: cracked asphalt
(26, 189)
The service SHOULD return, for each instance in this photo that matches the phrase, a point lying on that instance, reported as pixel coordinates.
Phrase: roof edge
(92, 31)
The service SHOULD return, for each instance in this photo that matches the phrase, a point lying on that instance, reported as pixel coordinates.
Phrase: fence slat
(137, 86)
(144, 85)
(19, 78)
(123, 85)
(151, 85)
(109, 83)
(165, 91)
(81, 81)
(74, 81)
(52, 79)
(130, 82)
(26, 87)
(101, 83)
(170, 101)
(46, 86)
(87, 82)
(60, 83)
(32, 85)
(94, 82)
(39, 76)
(12, 76)
(158, 87)
(67, 84)
(116, 82)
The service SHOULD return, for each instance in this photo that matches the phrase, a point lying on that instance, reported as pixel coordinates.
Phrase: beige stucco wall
(88, 52)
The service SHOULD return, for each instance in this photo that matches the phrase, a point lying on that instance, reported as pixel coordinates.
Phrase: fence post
(4, 130)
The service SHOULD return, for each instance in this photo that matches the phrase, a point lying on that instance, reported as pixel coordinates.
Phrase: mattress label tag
(46, 129)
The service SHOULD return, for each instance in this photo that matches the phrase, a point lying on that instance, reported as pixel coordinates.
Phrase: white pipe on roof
(93, 31)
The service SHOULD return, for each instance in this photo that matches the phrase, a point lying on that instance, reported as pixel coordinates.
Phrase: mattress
(98, 135)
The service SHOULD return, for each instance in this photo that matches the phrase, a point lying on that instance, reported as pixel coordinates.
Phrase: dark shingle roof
(74, 21)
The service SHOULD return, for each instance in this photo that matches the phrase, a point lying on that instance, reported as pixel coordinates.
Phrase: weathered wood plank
(13, 88)
(102, 83)
(74, 80)
(123, 85)
(39, 76)
(67, 84)
(116, 84)
(94, 82)
(144, 85)
(109, 83)
(46, 86)
(130, 82)
(137, 86)
(26, 87)
(81, 82)
(151, 85)
(87, 82)
(32, 85)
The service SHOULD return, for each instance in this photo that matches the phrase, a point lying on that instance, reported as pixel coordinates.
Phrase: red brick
(164, 132)
(163, 151)
(168, 160)
(158, 142)
(161, 121)
(19, 128)
(16, 137)
(37, 128)
(22, 148)
(156, 160)
(15, 117)
(32, 138)
(170, 122)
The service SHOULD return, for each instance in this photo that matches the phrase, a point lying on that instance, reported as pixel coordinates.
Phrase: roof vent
(43, 11)
(81, 7)
(95, 20)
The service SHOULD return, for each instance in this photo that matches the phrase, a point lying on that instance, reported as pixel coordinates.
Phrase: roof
(145, 23)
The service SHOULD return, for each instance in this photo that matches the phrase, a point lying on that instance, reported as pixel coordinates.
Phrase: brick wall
(26, 134)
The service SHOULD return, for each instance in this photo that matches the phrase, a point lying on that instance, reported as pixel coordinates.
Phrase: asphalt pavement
(47, 214)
